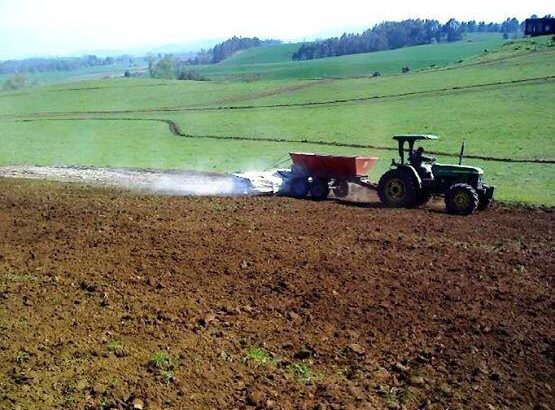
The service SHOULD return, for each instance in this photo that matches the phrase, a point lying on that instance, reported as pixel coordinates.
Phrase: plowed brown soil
(269, 303)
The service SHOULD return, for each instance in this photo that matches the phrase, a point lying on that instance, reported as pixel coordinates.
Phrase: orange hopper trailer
(316, 174)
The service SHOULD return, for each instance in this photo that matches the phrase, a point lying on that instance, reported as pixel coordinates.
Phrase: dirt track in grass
(269, 303)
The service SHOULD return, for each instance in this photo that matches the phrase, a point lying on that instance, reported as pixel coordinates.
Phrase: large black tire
(299, 188)
(461, 199)
(398, 189)
(341, 189)
(319, 189)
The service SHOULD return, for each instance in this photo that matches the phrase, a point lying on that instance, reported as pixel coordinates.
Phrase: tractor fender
(410, 169)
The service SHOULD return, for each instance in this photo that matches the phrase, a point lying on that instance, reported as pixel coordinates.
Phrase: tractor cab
(410, 140)
(416, 157)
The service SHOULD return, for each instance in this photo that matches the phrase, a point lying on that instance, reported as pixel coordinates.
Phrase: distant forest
(396, 34)
(170, 67)
(39, 65)
(229, 47)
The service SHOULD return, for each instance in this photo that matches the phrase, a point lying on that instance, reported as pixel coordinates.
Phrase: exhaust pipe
(461, 155)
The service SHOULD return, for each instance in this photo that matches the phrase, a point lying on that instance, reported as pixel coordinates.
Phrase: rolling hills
(498, 101)
(274, 62)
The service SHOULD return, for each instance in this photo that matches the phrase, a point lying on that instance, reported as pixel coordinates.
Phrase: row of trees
(15, 82)
(227, 48)
(37, 65)
(169, 67)
(396, 34)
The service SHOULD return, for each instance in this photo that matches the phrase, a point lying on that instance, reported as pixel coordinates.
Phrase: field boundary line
(176, 130)
(448, 90)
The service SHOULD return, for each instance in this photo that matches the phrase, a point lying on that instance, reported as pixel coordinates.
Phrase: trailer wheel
(341, 189)
(397, 189)
(319, 189)
(461, 199)
(299, 188)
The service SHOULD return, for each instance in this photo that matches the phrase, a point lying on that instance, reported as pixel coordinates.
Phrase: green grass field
(499, 102)
(274, 62)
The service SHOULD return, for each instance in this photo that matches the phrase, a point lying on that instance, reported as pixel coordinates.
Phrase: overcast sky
(62, 27)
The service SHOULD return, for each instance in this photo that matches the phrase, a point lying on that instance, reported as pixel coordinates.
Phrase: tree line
(390, 35)
(229, 47)
(171, 68)
(38, 65)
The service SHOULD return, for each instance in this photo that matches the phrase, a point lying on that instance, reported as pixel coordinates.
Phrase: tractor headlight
(480, 183)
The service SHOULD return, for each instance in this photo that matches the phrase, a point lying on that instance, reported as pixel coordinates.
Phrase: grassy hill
(279, 53)
(274, 63)
(499, 102)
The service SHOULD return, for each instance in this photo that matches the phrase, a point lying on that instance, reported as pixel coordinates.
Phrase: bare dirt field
(122, 300)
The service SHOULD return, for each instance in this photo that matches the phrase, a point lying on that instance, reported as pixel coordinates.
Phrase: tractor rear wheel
(398, 189)
(461, 199)
(319, 189)
(299, 187)
(341, 189)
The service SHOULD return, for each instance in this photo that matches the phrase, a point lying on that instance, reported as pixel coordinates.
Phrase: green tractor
(412, 183)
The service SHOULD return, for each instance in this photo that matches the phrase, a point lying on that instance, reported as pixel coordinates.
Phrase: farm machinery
(411, 182)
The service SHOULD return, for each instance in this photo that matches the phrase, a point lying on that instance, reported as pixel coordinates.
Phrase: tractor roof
(415, 137)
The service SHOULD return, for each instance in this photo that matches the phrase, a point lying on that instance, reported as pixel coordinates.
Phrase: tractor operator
(417, 158)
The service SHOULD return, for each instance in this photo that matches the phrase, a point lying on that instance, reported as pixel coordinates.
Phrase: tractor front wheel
(398, 189)
(299, 188)
(319, 189)
(461, 199)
